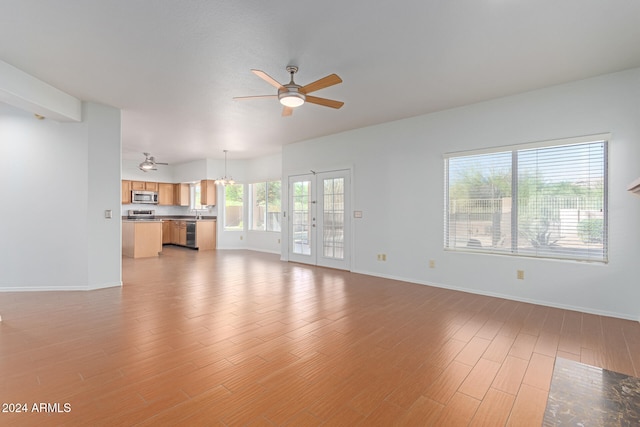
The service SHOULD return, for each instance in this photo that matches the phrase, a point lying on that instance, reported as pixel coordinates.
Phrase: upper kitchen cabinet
(144, 186)
(207, 192)
(151, 186)
(126, 192)
(181, 195)
(165, 194)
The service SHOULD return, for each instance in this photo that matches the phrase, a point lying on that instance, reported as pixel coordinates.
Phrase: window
(194, 197)
(264, 207)
(543, 200)
(233, 207)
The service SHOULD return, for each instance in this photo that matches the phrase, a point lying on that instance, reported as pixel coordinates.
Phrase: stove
(141, 214)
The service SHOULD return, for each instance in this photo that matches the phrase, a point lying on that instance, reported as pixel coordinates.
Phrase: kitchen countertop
(169, 218)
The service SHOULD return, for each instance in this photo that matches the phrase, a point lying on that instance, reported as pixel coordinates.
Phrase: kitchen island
(141, 238)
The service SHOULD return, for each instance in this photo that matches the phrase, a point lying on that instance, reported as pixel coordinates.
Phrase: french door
(319, 223)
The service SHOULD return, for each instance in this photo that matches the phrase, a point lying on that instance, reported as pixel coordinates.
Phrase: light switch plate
(357, 214)
(107, 214)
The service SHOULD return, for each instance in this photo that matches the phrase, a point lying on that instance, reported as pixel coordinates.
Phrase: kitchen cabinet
(165, 194)
(206, 235)
(179, 232)
(166, 232)
(126, 192)
(207, 192)
(144, 185)
(141, 239)
(168, 194)
(137, 185)
(181, 195)
(151, 186)
(199, 234)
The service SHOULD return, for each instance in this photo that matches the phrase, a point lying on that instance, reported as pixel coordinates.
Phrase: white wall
(57, 181)
(398, 184)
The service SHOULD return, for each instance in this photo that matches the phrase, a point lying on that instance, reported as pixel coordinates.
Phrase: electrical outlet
(382, 257)
(278, 240)
(432, 263)
(520, 274)
(241, 237)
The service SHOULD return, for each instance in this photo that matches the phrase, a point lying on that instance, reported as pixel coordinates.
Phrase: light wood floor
(239, 338)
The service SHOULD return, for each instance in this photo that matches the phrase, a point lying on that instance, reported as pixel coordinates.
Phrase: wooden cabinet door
(207, 192)
(126, 192)
(151, 186)
(174, 231)
(206, 235)
(137, 185)
(182, 235)
(166, 232)
(181, 195)
(165, 194)
(179, 232)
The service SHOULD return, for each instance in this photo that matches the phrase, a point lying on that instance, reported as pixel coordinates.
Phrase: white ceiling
(173, 66)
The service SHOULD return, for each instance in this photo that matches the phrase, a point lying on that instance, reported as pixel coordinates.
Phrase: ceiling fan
(149, 163)
(292, 95)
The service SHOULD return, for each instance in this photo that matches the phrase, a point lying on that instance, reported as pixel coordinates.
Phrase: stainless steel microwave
(138, 196)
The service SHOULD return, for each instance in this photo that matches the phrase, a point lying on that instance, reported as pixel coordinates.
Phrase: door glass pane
(333, 218)
(301, 218)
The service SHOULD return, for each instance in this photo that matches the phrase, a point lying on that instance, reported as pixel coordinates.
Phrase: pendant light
(225, 180)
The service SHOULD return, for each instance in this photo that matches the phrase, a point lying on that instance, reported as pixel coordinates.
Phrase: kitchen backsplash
(169, 210)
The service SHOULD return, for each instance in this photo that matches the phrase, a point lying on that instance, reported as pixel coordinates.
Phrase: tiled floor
(234, 338)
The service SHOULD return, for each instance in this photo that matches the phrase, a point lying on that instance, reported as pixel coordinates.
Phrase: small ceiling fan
(292, 95)
(149, 163)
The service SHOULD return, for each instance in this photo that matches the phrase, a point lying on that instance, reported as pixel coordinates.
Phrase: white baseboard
(36, 288)
(626, 316)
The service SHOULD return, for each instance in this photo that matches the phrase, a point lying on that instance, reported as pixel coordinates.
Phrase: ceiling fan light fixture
(149, 163)
(291, 97)
(146, 165)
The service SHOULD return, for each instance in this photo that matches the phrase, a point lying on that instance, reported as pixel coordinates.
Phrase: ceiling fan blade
(287, 111)
(162, 163)
(267, 78)
(330, 80)
(254, 97)
(324, 102)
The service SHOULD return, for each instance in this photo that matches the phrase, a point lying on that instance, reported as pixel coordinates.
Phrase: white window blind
(542, 201)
